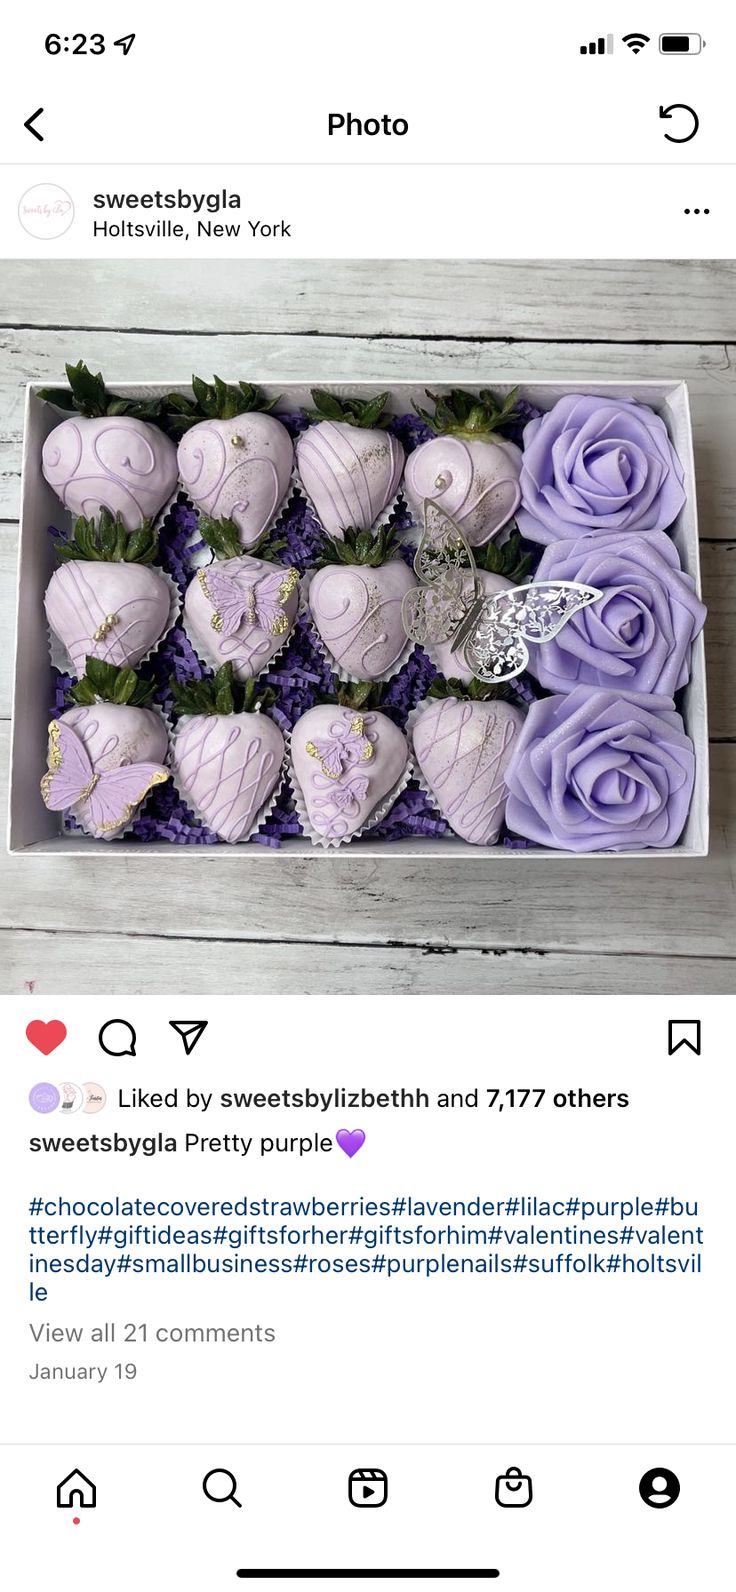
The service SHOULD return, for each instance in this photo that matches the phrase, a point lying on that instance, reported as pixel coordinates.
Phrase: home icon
(76, 1491)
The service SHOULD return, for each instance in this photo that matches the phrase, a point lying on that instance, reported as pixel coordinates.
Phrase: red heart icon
(46, 1036)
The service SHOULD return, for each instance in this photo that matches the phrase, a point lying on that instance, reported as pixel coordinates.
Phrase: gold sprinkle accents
(288, 585)
(356, 725)
(279, 625)
(88, 789)
(104, 629)
(236, 441)
(441, 483)
(366, 753)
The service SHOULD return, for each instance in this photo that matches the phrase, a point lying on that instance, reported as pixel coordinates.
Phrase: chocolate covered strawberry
(463, 746)
(107, 753)
(227, 755)
(106, 601)
(113, 453)
(236, 464)
(239, 609)
(345, 762)
(355, 603)
(467, 468)
(348, 463)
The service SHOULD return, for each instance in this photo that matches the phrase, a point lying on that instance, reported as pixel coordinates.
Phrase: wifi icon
(635, 41)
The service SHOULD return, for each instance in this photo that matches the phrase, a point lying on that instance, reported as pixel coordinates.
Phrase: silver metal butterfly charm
(489, 633)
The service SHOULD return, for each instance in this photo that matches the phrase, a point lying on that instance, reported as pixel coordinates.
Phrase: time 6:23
(77, 44)
(84, 43)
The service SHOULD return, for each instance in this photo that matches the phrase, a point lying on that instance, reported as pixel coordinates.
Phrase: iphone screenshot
(368, 746)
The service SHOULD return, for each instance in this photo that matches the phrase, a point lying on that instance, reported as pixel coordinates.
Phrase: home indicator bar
(371, 1575)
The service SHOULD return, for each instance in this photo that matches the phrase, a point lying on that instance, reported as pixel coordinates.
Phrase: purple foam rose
(639, 634)
(601, 770)
(598, 465)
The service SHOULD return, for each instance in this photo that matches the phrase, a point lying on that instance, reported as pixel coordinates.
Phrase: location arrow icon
(30, 126)
(189, 1033)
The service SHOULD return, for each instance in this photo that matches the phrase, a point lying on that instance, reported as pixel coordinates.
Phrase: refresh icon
(665, 114)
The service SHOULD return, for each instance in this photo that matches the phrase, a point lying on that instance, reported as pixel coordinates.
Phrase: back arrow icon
(30, 126)
(665, 112)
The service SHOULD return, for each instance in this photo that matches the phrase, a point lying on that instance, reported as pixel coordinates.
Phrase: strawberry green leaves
(464, 414)
(217, 400)
(102, 682)
(106, 540)
(87, 395)
(366, 548)
(365, 412)
(220, 694)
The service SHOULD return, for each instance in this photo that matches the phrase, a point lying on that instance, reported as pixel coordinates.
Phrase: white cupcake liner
(374, 817)
(217, 663)
(92, 834)
(336, 668)
(60, 657)
(264, 812)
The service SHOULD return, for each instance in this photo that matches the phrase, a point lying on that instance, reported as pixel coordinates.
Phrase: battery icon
(680, 43)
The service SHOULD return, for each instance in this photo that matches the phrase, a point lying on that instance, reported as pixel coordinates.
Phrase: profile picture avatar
(46, 210)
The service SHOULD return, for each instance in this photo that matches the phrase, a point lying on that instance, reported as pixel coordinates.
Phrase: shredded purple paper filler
(299, 675)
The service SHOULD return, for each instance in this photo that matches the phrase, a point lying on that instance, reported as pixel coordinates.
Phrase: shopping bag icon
(513, 1490)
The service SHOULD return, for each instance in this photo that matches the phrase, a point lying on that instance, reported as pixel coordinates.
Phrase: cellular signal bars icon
(598, 46)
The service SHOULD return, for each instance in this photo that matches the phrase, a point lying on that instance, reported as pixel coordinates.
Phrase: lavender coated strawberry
(113, 453)
(106, 601)
(355, 600)
(228, 755)
(112, 611)
(241, 610)
(469, 470)
(236, 464)
(350, 468)
(228, 767)
(463, 749)
(344, 764)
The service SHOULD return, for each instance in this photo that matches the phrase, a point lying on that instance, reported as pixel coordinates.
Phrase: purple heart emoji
(350, 1142)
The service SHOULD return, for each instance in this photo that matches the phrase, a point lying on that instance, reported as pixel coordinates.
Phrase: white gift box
(33, 830)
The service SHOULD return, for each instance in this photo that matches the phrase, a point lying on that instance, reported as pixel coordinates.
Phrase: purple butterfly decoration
(249, 595)
(488, 633)
(103, 802)
(348, 797)
(346, 745)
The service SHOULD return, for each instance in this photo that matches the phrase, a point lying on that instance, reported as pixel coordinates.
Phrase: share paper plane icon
(189, 1033)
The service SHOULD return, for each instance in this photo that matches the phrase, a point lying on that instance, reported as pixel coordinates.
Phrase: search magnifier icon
(219, 1486)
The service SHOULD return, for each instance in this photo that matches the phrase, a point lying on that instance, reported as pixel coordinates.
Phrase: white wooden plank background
(354, 923)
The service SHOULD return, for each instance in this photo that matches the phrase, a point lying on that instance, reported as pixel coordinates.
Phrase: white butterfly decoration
(489, 633)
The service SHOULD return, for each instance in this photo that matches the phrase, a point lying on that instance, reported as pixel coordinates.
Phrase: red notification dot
(76, 1520)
